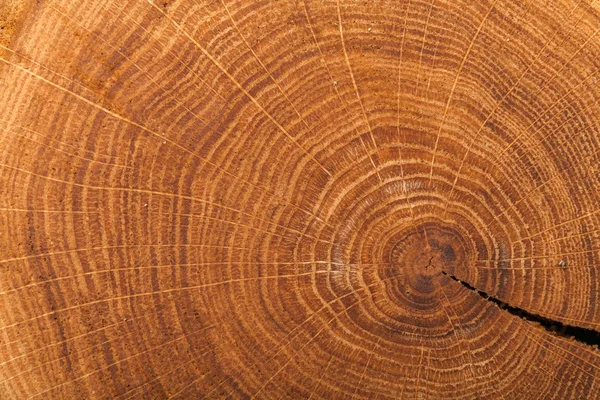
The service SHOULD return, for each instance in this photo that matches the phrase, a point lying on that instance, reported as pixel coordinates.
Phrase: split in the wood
(583, 335)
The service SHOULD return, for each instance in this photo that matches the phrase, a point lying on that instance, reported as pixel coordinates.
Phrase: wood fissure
(583, 335)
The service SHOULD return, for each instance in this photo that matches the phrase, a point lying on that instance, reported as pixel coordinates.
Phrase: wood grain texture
(281, 199)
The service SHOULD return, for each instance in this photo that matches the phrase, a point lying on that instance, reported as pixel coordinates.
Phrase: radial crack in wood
(582, 335)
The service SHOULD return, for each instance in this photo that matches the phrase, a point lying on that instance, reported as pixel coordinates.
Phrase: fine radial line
(239, 86)
(454, 85)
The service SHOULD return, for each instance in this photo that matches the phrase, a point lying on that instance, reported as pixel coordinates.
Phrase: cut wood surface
(299, 199)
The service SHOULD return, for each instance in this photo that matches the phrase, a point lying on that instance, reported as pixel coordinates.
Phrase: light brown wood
(299, 199)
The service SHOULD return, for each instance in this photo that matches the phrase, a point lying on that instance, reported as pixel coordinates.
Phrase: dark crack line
(429, 263)
(582, 335)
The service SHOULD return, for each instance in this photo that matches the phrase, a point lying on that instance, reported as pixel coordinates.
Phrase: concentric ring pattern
(280, 199)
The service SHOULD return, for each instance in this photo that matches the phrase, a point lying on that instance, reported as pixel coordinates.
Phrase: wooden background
(299, 199)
